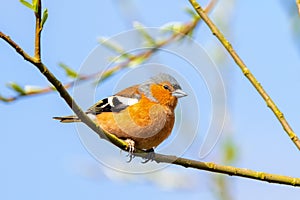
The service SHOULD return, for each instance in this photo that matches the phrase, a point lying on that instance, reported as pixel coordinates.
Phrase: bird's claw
(150, 156)
(130, 149)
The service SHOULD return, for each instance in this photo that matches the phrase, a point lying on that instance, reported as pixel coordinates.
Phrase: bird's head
(162, 88)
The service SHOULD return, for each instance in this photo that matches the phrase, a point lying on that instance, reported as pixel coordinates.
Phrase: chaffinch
(142, 115)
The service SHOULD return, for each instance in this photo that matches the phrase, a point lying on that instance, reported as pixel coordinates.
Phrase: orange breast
(147, 123)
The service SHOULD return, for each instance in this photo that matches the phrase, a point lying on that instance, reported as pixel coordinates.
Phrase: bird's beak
(179, 93)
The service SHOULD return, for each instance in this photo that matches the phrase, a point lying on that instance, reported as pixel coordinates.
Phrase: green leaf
(4, 99)
(44, 17)
(114, 46)
(118, 59)
(16, 87)
(31, 89)
(173, 27)
(192, 13)
(35, 5)
(69, 72)
(27, 4)
(150, 40)
(230, 151)
(137, 61)
(104, 76)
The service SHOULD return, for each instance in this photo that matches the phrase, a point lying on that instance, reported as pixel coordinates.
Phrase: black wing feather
(110, 104)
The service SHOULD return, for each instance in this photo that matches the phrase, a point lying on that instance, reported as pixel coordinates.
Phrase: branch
(16, 47)
(38, 30)
(272, 178)
(287, 128)
(232, 171)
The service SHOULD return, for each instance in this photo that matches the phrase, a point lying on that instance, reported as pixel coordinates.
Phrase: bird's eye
(166, 87)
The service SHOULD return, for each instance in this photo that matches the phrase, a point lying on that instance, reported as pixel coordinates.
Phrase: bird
(142, 115)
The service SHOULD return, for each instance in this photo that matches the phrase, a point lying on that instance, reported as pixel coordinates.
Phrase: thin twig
(247, 73)
(38, 30)
(16, 47)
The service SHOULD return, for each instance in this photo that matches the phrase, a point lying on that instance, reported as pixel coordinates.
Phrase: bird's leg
(130, 149)
(150, 155)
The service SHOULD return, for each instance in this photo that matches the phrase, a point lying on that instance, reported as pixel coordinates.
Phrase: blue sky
(43, 159)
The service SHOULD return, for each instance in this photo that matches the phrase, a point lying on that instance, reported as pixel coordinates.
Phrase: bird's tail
(68, 119)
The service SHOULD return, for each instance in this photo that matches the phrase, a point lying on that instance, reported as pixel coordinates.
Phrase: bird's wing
(117, 102)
